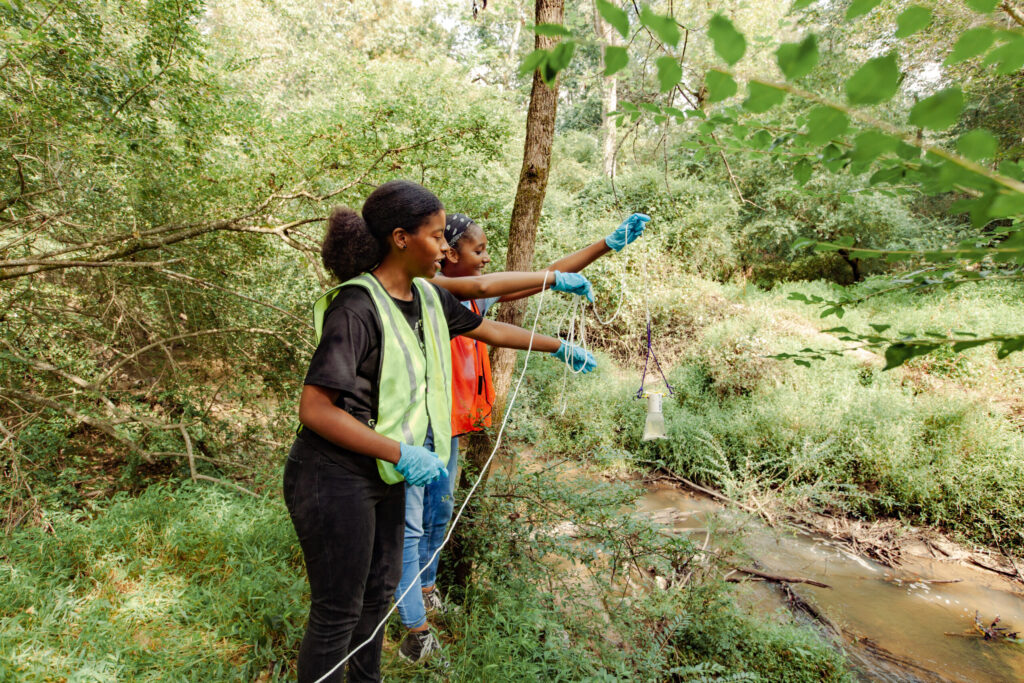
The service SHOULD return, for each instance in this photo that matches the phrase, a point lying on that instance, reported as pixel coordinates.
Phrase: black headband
(455, 227)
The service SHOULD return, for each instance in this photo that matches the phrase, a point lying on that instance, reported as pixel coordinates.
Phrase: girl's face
(469, 257)
(425, 248)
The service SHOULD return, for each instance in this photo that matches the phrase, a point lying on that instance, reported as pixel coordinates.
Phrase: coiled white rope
(472, 490)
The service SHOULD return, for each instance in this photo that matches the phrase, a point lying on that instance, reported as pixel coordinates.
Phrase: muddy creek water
(894, 621)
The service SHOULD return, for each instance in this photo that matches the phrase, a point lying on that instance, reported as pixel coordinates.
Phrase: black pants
(350, 525)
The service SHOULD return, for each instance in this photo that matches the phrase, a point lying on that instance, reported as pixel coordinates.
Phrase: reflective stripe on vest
(472, 390)
(413, 390)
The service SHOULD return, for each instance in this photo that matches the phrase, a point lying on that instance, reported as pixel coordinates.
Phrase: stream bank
(893, 623)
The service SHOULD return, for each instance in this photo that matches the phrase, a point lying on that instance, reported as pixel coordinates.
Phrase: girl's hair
(355, 244)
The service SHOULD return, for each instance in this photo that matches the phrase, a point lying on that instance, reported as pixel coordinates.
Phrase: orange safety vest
(472, 391)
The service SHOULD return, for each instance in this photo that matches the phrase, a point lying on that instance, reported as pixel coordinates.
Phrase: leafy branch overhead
(893, 142)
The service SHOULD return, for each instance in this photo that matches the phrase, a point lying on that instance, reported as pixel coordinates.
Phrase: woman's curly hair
(355, 243)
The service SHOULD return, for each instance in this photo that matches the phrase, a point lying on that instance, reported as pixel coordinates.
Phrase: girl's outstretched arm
(628, 231)
(512, 337)
(318, 412)
(493, 284)
(573, 263)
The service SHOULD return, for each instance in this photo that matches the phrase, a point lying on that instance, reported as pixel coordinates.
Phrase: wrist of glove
(420, 466)
(627, 232)
(577, 358)
(573, 283)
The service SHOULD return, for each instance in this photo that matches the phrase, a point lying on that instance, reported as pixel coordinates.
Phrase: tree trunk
(609, 96)
(533, 183)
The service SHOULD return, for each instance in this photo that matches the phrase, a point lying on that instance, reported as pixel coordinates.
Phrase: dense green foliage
(166, 170)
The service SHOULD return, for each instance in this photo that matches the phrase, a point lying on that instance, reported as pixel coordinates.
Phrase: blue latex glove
(419, 465)
(573, 283)
(629, 230)
(578, 359)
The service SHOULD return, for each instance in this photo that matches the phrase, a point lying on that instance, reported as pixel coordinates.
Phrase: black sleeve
(345, 344)
(460, 319)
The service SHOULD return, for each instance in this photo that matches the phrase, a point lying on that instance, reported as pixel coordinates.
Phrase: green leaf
(615, 17)
(669, 72)
(971, 44)
(870, 145)
(720, 85)
(664, 27)
(760, 140)
(557, 60)
(912, 20)
(977, 144)
(533, 61)
(729, 43)
(1010, 56)
(615, 59)
(762, 97)
(940, 111)
(800, 4)
(1007, 205)
(875, 82)
(879, 327)
(899, 353)
(802, 173)
(825, 123)
(861, 7)
(797, 59)
(551, 30)
(984, 6)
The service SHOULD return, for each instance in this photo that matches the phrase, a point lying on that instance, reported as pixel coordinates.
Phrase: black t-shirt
(348, 356)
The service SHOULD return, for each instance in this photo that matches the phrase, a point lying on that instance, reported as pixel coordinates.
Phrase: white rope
(455, 520)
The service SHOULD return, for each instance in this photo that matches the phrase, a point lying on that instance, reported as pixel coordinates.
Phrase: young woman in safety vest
(472, 399)
(376, 415)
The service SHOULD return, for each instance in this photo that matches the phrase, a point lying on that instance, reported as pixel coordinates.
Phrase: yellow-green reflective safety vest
(414, 389)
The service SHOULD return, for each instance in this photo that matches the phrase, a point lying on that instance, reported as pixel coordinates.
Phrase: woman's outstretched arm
(493, 284)
(512, 337)
(573, 263)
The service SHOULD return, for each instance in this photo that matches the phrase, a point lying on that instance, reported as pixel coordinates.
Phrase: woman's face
(425, 248)
(469, 256)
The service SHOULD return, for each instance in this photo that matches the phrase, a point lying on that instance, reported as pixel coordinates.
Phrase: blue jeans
(428, 510)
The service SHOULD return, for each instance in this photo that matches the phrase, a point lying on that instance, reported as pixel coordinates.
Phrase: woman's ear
(400, 237)
(451, 255)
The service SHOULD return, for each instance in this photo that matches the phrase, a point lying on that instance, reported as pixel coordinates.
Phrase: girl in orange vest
(473, 396)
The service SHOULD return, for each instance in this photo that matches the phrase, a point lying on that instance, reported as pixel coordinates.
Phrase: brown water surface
(895, 609)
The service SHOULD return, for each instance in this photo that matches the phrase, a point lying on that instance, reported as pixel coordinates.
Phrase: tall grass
(939, 443)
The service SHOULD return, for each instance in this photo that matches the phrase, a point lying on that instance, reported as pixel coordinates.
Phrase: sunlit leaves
(669, 72)
(797, 59)
(664, 27)
(824, 124)
(720, 85)
(977, 144)
(532, 62)
(940, 111)
(875, 82)
(615, 17)
(860, 7)
(615, 59)
(984, 6)
(971, 44)
(729, 43)
(912, 20)
(800, 4)
(557, 59)
(802, 173)
(762, 97)
(1009, 57)
(870, 145)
